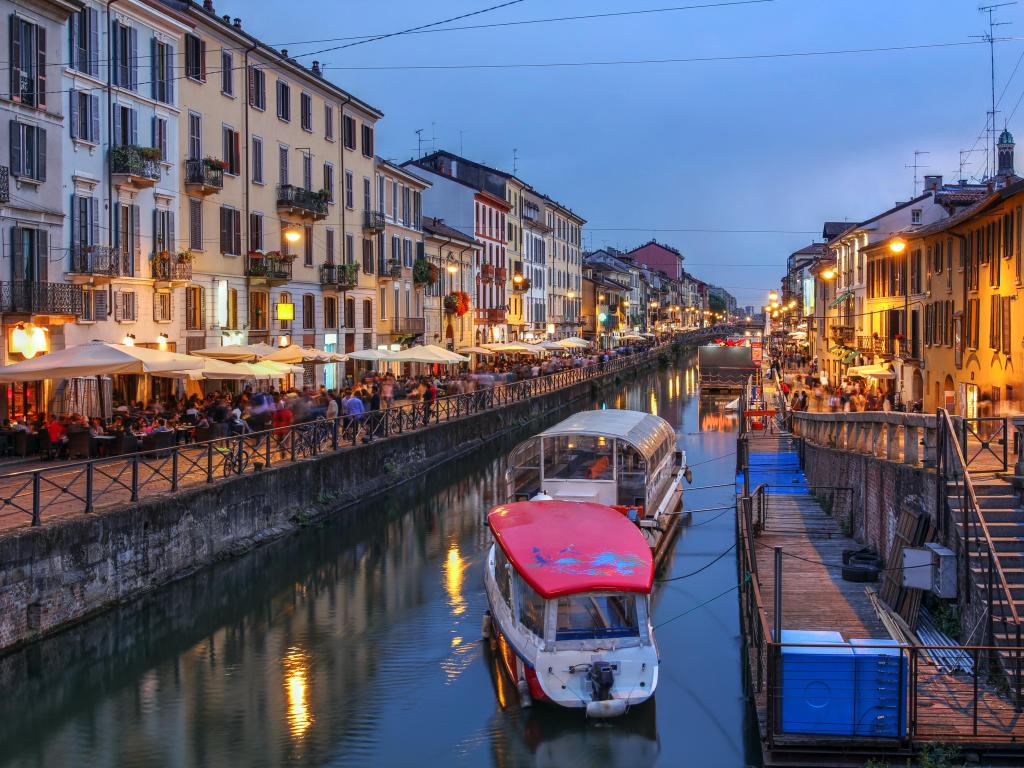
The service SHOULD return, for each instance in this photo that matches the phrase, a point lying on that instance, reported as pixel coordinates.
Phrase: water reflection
(296, 667)
(453, 568)
(713, 414)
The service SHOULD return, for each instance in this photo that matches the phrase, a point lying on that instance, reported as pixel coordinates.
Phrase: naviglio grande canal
(357, 643)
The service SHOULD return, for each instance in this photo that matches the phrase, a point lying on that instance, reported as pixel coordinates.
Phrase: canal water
(357, 643)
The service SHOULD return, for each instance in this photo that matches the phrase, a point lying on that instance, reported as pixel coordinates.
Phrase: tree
(716, 304)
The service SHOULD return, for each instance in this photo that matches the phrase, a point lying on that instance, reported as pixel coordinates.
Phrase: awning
(840, 299)
(870, 371)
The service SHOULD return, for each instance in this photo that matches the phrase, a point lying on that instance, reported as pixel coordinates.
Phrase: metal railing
(129, 160)
(343, 277)
(989, 431)
(374, 221)
(408, 324)
(5, 184)
(100, 260)
(29, 297)
(269, 267)
(203, 173)
(171, 267)
(76, 487)
(305, 200)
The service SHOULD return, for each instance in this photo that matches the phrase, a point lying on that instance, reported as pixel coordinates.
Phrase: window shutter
(202, 60)
(251, 79)
(17, 253)
(16, 143)
(16, 71)
(133, 127)
(171, 242)
(93, 24)
(40, 83)
(190, 308)
(118, 306)
(133, 58)
(1007, 339)
(236, 231)
(158, 241)
(157, 312)
(154, 69)
(116, 119)
(100, 310)
(42, 255)
(236, 152)
(74, 52)
(94, 118)
(40, 154)
(136, 241)
(202, 307)
(225, 245)
(94, 221)
(76, 114)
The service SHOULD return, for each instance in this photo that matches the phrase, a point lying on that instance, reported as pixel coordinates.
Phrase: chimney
(284, 53)
(237, 23)
(226, 19)
(932, 183)
(316, 68)
(208, 6)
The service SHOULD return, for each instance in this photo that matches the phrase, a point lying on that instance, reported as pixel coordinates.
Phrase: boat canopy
(564, 548)
(644, 431)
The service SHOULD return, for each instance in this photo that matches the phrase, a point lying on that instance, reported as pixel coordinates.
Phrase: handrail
(979, 520)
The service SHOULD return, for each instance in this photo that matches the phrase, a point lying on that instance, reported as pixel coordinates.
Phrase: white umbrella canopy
(275, 370)
(475, 351)
(293, 353)
(429, 353)
(373, 355)
(97, 358)
(554, 346)
(237, 352)
(211, 368)
(516, 346)
(572, 343)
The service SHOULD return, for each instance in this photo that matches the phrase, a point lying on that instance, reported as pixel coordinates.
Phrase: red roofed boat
(569, 587)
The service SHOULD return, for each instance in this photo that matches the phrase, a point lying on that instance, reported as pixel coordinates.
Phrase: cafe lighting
(773, 296)
(517, 279)
(128, 340)
(29, 340)
(161, 342)
(292, 235)
(748, 318)
(452, 269)
(828, 274)
(899, 245)
(285, 311)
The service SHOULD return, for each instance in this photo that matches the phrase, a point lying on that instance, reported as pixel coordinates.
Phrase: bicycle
(236, 457)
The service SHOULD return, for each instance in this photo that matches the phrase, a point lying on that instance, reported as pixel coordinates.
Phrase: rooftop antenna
(990, 146)
(916, 165)
(964, 155)
(419, 142)
(433, 136)
(515, 161)
(463, 154)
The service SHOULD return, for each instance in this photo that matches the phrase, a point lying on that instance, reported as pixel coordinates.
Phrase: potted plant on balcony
(394, 268)
(348, 275)
(423, 272)
(150, 153)
(323, 196)
(214, 164)
(185, 257)
(451, 303)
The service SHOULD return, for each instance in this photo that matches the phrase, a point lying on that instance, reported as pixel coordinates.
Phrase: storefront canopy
(840, 299)
(870, 371)
(237, 352)
(97, 358)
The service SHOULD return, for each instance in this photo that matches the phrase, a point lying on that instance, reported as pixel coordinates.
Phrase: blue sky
(779, 144)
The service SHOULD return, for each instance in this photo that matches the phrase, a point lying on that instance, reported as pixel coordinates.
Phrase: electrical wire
(707, 461)
(834, 566)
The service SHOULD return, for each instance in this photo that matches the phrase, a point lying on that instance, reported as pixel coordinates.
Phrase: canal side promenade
(76, 562)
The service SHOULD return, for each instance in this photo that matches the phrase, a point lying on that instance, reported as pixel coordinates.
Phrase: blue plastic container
(817, 684)
(881, 683)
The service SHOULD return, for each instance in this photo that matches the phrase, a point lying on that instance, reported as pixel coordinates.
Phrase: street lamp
(898, 245)
(292, 235)
(773, 296)
(828, 274)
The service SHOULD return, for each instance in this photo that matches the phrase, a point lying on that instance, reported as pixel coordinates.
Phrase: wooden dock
(962, 708)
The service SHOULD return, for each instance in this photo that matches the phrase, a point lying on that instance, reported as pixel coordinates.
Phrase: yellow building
(453, 255)
(277, 194)
(565, 269)
(516, 318)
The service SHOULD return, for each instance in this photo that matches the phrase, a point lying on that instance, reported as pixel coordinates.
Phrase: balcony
(389, 269)
(204, 177)
(875, 345)
(173, 268)
(52, 300)
(134, 166)
(98, 263)
(301, 202)
(843, 334)
(339, 277)
(5, 184)
(495, 316)
(408, 325)
(268, 268)
(500, 274)
(373, 221)
(487, 273)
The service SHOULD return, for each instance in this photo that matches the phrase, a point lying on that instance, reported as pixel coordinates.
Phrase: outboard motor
(602, 678)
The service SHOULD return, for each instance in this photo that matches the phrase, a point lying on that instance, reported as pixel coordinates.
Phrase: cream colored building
(453, 254)
(514, 243)
(278, 191)
(565, 269)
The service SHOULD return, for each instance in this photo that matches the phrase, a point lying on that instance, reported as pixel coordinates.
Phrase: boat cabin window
(531, 608)
(578, 457)
(632, 475)
(584, 617)
(503, 574)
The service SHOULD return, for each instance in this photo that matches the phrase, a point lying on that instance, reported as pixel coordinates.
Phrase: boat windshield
(582, 617)
(577, 457)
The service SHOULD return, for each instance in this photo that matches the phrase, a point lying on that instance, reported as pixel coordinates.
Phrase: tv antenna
(965, 158)
(515, 161)
(990, 38)
(916, 165)
(419, 142)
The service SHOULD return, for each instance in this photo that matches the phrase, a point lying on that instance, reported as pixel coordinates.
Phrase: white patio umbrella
(373, 355)
(475, 351)
(293, 353)
(274, 370)
(428, 353)
(573, 343)
(237, 352)
(211, 368)
(515, 346)
(97, 358)
(554, 346)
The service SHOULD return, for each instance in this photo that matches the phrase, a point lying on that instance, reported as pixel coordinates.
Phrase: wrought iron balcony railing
(5, 184)
(373, 221)
(135, 162)
(271, 267)
(172, 267)
(341, 277)
(31, 298)
(100, 261)
(302, 201)
(413, 325)
(204, 175)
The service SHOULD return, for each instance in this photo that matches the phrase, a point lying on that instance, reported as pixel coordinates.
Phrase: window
(282, 164)
(285, 298)
(406, 206)
(531, 608)
(84, 43)
(84, 229)
(257, 160)
(94, 305)
(367, 313)
(995, 319)
(162, 307)
(586, 617)
(329, 246)
(163, 231)
(231, 315)
(367, 256)
(194, 308)
(259, 303)
(308, 310)
(349, 125)
(284, 97)
(195, 224)
(127, 235)
(195, 136)
(330, 312)
(195, 58)
(407, 253)
(349, 180)
(28, 151)
(160, 137)
(367, 141)
(329, 181)
(306, 111)
(257, 87)
(162, 71)
(350, 248)
(230, 231)
(227, 73)
(255, 231)
(307, 171)
(125, 309)
(307, 245)
(396, 248)
(383, 303)
(85, 116)
(125, 125)
(230, 146)
(28, 62)
(367, 194)
(328, 122)
(350, 313)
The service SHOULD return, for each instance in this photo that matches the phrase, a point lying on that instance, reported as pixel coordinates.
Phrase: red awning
(567, 547)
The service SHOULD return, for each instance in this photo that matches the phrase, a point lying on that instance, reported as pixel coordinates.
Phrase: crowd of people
(808, 389)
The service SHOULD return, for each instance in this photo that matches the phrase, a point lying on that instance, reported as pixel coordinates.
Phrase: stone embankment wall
(61, 572)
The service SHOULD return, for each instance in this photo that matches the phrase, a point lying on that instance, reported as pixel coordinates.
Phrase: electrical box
(943, 570)
(917, 568)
